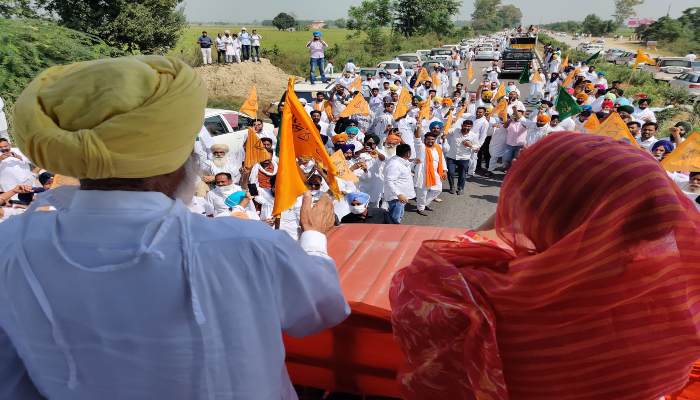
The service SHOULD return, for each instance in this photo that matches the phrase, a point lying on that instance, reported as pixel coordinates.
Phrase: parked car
(430, 65)
(229, 127)
(440, 53)
(667, 68)
(391, 66)
(689, 81)
(626, 58)
(611, 54)
(410, 60)
(307, 91)
(486, 52)
(366, 72)
(424, 54)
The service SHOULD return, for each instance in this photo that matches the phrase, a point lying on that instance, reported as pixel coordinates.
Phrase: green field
(285, 41)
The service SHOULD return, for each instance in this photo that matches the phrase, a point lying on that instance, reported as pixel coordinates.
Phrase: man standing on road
(481, 129)
(245, 39)
(516, 135)
(204, 42)
(430, 170)
(461, 144)
(398, 183)
(316, 48)
(166, 298)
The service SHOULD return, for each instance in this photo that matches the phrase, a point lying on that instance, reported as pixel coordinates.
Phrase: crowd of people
(127, 289)
(230, 47)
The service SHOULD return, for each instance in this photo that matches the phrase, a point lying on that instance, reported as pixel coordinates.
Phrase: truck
(513, 61)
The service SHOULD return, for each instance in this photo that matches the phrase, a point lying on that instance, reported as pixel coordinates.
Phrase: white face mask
(358, 209)
(227, 189)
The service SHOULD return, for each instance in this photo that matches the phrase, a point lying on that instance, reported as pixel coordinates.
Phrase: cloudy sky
(535, 11)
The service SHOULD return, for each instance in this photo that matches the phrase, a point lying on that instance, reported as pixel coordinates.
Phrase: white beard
(219, 162)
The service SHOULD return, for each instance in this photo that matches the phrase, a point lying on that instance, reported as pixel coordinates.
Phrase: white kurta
(135, 286)
(419, 176)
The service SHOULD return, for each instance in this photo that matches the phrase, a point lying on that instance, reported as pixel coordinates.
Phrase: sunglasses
(314, 185)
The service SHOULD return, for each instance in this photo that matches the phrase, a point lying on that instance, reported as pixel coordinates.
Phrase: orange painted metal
(360, 355)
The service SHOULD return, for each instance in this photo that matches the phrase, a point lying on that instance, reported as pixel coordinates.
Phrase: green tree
(369, 14)
(691, 21)
(625, 9)
(485, 16)
(148, 26)
(340, 23)
(665, 28)
(407, 17)
(424, 16)
(17, 8)
(283, 21)
(510, 16)
(597, 27)
(564, 26)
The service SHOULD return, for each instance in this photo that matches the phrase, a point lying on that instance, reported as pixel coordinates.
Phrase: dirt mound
(233, 81)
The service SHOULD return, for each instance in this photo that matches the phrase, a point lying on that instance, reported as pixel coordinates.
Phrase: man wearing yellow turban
(118, 303)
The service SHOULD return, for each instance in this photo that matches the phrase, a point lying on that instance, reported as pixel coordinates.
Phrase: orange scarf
(319, 106)
(430, 178)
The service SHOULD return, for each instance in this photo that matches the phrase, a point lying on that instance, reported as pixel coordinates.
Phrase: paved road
(478, 202)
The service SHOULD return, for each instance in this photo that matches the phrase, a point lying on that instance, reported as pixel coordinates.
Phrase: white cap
(243, 29)
(302, 101)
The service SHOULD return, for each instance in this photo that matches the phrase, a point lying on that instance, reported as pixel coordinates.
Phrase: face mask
(227, 189)
(358, 209)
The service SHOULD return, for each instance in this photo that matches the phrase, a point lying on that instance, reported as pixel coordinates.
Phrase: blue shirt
(244, 37)
(204, 42)
(128, 295)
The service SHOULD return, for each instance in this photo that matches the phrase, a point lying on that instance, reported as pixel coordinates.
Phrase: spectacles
(314, 185)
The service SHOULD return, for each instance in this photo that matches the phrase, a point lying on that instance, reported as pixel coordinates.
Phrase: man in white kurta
(426, 194)
(123, 293)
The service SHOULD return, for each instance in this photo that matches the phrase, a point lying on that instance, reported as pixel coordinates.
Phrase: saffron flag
(448, 124)
(686, 157)
(436, 79)
(616, 128)
(570, 78)
(299, 138)
(525, 75)
(329, 109)
(592, 123)
(422, 76)
(254, 150)
(470, 72)
(356, 106)
(403, 105)
(566, 105)
(501, 92)
(341, 167)
(250, 105)
(425, 110)
(356, 85)
(501, 110)
(642, 57)
(565, 63)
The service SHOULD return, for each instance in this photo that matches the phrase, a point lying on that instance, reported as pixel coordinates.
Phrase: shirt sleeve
(14, 379)
(308, 294)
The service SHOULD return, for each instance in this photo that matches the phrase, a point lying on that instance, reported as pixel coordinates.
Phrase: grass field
(285, 41)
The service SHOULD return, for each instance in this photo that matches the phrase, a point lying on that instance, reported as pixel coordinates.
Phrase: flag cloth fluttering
(566, 105)
(525, 75)
(254, 150)
(686, 157)
(616, 128)
(250, 106)
(358, 105)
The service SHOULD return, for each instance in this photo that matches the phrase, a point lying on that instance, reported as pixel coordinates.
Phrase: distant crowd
(230, 47)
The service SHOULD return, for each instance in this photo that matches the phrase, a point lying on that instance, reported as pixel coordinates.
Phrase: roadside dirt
(233, 81)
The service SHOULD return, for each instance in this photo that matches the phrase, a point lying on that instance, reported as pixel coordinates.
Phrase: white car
(689, 81)
(227, 127)
(391, 66)
(486, 53)
(307, 91)
(410, 60)
(440, 54)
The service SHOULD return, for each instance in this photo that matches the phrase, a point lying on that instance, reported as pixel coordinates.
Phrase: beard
(186, 189)
(219, 161)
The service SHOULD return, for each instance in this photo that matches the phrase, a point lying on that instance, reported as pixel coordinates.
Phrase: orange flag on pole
(422, 76)
(425, 110)
(254, 150)
(501, 110)
(501, 92)
(570, 78)
(643, 57)
(403, 105)
(250, 106)
(616, 128)
(448, 124)
(436, 79)
(329, 109)
(298, 137)
(358, 105)
(470, 72)
(565, 63)
(342, 169)
(356, 85)
(592, 123)
(686, 157)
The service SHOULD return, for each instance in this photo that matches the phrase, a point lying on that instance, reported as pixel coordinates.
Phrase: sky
(534, 11)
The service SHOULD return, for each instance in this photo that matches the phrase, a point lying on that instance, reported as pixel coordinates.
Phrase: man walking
(460, 147)
(245, 39)
(398, 183)
(316, 48)
(204, 42)
(431, 167)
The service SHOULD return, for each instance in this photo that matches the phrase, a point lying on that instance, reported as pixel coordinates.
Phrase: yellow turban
(130, 117)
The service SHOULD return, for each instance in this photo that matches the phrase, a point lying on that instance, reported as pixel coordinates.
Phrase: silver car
(667, 68)
(486, 53)
(689, 81)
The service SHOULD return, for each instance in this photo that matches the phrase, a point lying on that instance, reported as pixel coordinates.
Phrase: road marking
(472, 82)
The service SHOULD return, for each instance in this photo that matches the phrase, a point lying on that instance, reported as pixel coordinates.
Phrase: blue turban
(317, 33)
(586, 108)
(346, 147)
(621, 101)
(667, 145)
(362, 197)
(235, 198)
(434, 124)
(352, 130)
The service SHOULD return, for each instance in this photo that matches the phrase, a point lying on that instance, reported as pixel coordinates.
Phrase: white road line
(472, 82)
